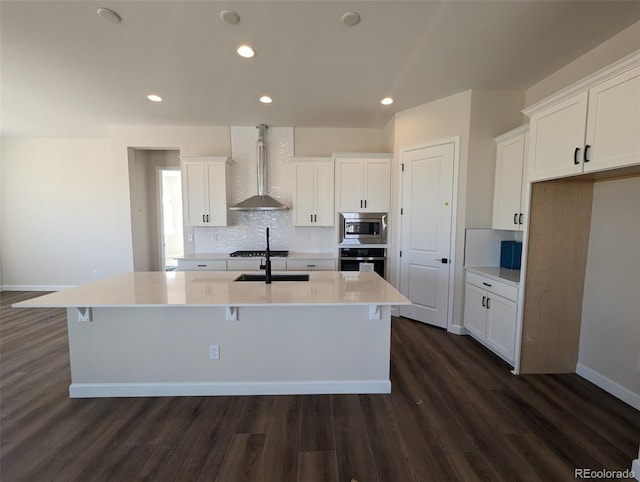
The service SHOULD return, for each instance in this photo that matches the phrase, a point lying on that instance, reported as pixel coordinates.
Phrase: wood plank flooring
(455, 413)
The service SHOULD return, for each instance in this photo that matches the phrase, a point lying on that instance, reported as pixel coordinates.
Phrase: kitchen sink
(274, 277)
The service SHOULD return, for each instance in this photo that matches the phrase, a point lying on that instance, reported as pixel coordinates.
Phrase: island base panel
(164, 351)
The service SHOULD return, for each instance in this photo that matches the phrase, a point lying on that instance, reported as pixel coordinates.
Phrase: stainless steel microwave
(363, 228)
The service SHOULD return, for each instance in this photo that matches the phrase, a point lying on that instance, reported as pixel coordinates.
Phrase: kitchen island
(202, 333)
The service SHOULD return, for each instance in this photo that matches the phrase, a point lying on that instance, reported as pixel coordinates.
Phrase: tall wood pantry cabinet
(363, 182)
(204, 190)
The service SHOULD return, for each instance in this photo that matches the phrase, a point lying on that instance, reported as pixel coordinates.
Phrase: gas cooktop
(258, 254)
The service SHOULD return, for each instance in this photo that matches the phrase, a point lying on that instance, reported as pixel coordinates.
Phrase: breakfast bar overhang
(202, 333)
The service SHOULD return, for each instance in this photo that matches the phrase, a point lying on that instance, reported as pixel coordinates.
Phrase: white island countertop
(217, 288)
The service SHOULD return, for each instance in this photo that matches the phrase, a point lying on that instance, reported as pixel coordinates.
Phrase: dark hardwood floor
(455, 413)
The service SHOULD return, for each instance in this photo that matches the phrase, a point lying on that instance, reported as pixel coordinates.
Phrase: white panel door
(427, 190)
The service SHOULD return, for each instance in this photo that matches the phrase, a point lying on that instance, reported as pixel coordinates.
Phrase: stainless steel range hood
(261, 201)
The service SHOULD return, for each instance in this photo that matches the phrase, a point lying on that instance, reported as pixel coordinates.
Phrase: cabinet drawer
(311, 265)
(503, 289)
(202, 265)
(253, 264)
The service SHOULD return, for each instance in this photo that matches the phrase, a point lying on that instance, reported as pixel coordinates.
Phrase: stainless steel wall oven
(352, 258)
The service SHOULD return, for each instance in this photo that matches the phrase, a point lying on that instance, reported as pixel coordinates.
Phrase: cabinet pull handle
(483, 301)
(488, 299)
(207, 218)
(365, 203)
(575, 156)
(486, 284)
(202, 266)
(585, 156)
(360, 202)
(515, 218)
(310, 218)
(520, 219)
(311, 266)
(203, 220)
(315, 218)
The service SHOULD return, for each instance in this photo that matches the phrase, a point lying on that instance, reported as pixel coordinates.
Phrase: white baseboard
(609, 385)
(457, 330)
(635, 468)
(98, 390)
(36, 287)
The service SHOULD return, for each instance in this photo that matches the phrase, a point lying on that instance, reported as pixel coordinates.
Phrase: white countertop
(217, 288)
(225, 256)
(511, 276)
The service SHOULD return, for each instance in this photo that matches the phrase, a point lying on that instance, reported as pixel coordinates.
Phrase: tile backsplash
(247, 229)
(482, 246)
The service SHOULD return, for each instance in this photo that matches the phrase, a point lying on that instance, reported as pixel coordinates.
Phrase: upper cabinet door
(556, 140)
(194, 193)
(313, 192)
(349, 180)
(303, 194)
(507, 199)
(325, 195)
(613, 125)
(217, 193)
(363, 183)
(204, 191)
(377, 179)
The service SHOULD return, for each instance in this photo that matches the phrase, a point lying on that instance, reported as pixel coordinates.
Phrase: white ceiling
(67, 72)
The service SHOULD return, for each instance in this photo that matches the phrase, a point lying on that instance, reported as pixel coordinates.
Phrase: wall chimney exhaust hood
(261, 201)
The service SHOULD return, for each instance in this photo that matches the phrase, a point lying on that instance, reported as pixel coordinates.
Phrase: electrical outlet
(214, 352)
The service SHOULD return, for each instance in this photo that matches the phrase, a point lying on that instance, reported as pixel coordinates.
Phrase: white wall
(62, 216)
(476, 117)
(144, 206)
(617, 47)
(440, 119)
(317, 141)
(66, 207)
(610, 330)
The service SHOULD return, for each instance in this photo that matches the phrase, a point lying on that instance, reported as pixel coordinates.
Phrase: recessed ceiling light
(230, 16)
(265, 99)
(154, 98)
(350, 19)
(245, 51)
(109, 15)
(386, 101)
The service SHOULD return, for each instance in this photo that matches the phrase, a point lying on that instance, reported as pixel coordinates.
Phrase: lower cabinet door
(501, 325)
(475, 311)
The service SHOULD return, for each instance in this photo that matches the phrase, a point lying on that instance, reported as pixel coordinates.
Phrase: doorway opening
(171, 243)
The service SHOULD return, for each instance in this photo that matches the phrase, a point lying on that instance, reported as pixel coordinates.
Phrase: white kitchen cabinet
(204, 185)
(591, 126)
(490, 313)
(363, 182)
(202, 265)
(253, 264)
(313, 192)
(311, 265)
(510, 183)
